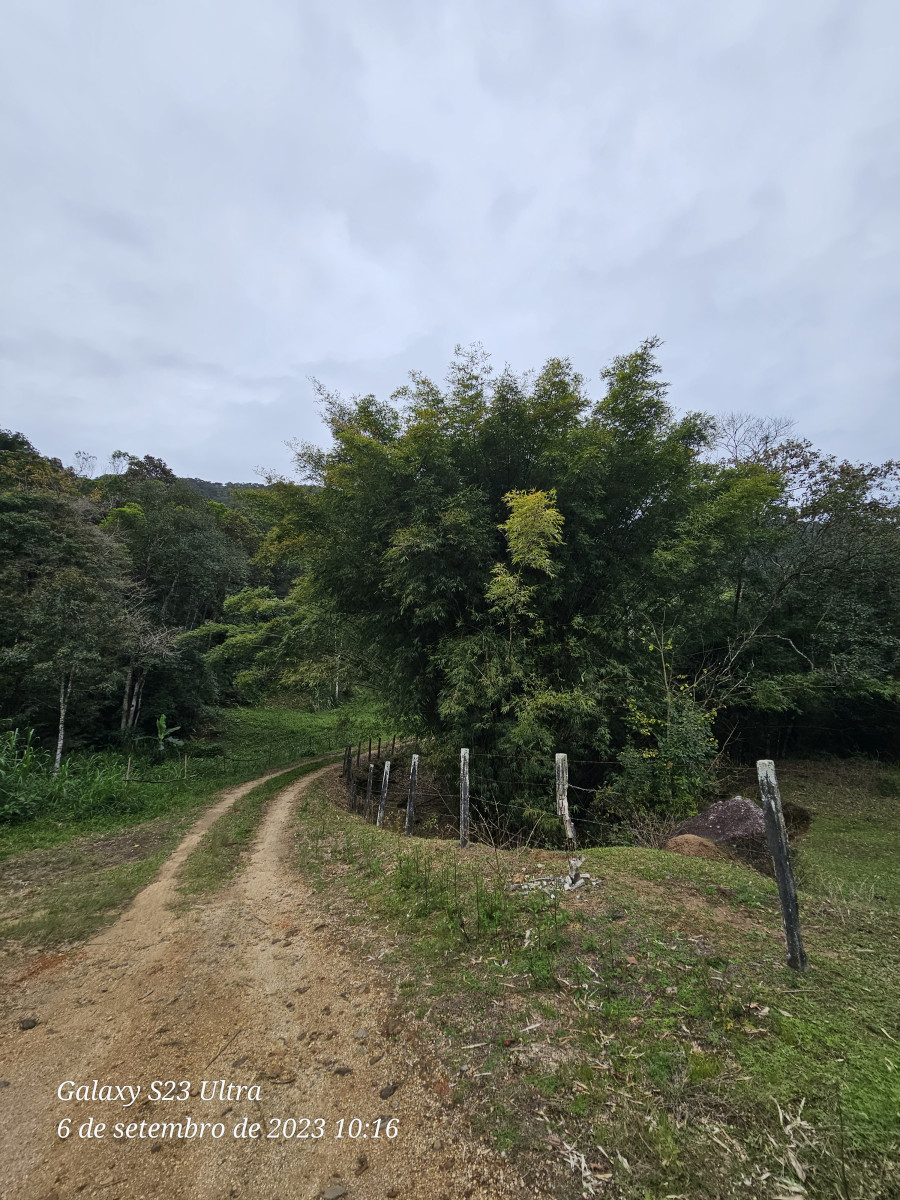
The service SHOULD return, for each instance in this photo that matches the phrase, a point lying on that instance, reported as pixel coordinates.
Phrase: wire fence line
(576, 835)
(515, 806)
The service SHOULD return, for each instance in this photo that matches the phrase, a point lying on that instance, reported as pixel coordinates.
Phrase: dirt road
(252, 988)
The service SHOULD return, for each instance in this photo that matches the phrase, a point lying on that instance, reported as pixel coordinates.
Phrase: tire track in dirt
(252, 986)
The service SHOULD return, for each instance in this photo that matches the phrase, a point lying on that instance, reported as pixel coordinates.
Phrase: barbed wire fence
(503, 799)
(484, 799)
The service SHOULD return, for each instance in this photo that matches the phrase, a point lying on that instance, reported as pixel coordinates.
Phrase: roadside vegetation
(77, 864)
(645, 1034)
(505, 563)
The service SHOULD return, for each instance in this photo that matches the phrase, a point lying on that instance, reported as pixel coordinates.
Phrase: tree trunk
(126, 697)
(738, 589)
(165, 604)
(134, 707)
(65, 688)
(139, 695)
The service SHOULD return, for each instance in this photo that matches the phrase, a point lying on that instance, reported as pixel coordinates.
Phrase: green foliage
(521, 570)
(63, 605)
(29, 786)
(508, 563)
(669, 770)
(164, 738)
(98, 578)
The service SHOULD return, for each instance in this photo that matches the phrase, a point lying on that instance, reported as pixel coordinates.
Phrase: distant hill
(217, 491)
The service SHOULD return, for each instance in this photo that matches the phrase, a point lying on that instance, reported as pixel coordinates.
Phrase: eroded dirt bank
(253, 988)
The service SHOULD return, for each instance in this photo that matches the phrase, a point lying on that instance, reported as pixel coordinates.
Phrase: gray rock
(387, 1092)
(28, 1023)
(334, 1193)
(736, 823)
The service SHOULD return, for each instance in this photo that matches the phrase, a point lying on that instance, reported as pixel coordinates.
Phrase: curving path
(252, 987)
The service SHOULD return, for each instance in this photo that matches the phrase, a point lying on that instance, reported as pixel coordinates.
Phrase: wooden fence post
(353, 795)
(368, 809)
(776, 835)
(562, 795)
(370, 749)
(411, 799)
(378, 752)
(393, 744)
(384, 790)
(463, 799)
(358, 749)
(128, 770)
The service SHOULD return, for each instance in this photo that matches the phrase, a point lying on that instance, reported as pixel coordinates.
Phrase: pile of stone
(551, 884)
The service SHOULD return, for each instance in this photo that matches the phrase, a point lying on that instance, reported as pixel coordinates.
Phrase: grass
(293, 733)
(651, 1023)
(74, 908)
(63, 879)
(216, 860)
(254, 740)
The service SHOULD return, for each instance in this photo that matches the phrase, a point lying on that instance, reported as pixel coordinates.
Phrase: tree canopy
(511, 564)
(517, 566)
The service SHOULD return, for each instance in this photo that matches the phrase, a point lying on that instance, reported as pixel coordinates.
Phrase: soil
(37, 867)
(697, 847)
(253, 987)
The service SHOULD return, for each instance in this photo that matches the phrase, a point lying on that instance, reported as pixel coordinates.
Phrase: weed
(651, 1024)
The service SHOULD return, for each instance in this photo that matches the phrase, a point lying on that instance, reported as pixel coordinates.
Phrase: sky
(205, 203)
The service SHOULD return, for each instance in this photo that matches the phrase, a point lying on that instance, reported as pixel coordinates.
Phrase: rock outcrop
(737, 825)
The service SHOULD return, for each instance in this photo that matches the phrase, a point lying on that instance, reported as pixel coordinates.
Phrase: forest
(501, 561)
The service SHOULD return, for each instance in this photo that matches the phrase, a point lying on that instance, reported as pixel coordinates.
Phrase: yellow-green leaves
(533, 527)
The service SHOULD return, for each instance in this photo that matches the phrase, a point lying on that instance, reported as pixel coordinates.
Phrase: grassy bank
(291, 733)
(62, 877)
(63, 894)
(248, 742)
(649, 1024)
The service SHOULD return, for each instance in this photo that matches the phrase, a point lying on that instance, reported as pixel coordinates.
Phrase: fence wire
(507, 803)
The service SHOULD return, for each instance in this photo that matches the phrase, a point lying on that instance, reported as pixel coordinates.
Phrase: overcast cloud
(204, 202)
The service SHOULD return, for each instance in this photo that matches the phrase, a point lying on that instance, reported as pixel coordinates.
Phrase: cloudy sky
(206, 202)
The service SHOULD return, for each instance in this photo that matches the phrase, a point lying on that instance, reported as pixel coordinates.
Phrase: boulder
(737, 825)
(697, 847)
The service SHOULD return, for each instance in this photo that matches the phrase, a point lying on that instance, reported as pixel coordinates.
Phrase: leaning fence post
(776, 835)
(368, 809)
(384, 790)
(562, 795)
(463, 799)
(358, 749)
(411, 800)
